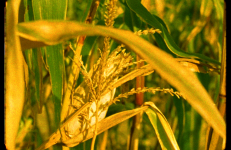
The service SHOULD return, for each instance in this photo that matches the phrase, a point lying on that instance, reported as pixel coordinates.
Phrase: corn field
(115, 74)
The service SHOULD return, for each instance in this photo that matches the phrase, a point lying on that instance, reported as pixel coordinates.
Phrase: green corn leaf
(170, 70)
(162, 128)
(179, 104)
(54, 56)
(185, 144)
(78, 10)
(53, 9)
(37, 69)
(139, 9)
(160, 41)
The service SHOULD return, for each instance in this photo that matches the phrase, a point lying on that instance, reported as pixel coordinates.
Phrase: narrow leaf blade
(162, 128)
(53, 9)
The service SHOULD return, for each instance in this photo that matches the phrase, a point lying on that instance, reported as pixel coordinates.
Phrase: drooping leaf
(14, 76)
(162, 128)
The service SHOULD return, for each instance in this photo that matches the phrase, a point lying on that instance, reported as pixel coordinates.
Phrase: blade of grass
(170, 70)
(162, 128)
(14, 79)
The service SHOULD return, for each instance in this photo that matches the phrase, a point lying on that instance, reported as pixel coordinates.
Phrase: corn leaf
(163, 130)
(14, 76)
(37, 69)
(139, 9)
(53, 9)
(78, 10)
(179, 104)
(183, 80)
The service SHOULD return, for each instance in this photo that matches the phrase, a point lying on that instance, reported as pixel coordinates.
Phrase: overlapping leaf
(139, 9)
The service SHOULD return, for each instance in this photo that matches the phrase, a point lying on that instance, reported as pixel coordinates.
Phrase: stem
(134, 140)
(103, 142)
(73, 75)
(139, 84)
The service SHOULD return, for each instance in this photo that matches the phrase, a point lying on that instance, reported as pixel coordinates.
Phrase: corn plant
(115, 74)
